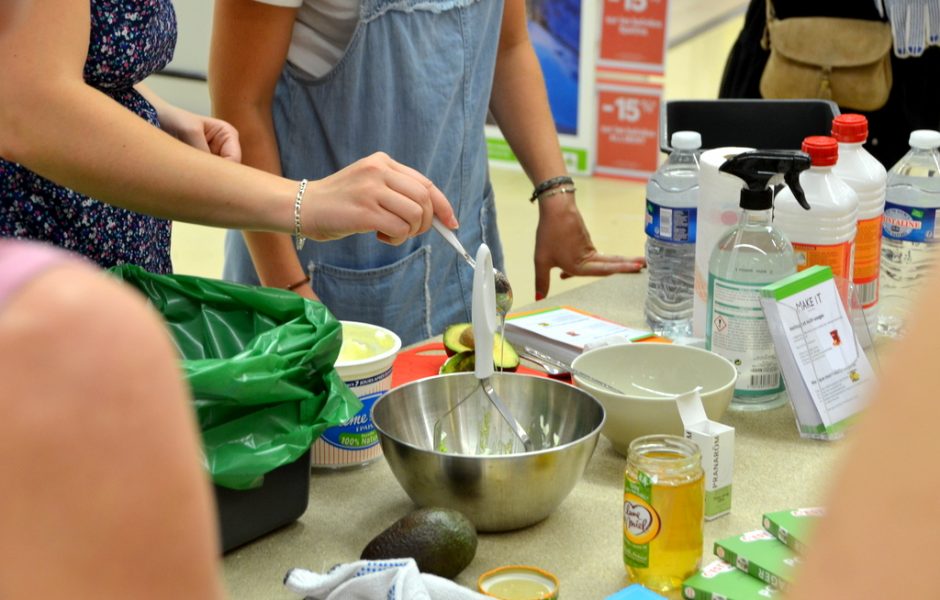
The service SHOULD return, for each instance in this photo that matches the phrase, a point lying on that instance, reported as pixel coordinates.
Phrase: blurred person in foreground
(877, 538)
(105, 495)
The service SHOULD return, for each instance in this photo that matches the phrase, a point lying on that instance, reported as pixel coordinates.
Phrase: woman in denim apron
(413, 81)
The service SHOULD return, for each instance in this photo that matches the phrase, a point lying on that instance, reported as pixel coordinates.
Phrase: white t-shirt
(321, 32)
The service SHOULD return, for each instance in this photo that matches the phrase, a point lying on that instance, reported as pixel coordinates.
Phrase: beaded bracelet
(557, 190)
(299, 238)
(298, 284)
(549, 184)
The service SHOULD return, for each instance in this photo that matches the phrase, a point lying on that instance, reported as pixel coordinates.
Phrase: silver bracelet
(557, 190)
(299, 238)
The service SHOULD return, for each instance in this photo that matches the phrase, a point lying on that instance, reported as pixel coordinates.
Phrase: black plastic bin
(260, 365)
(761, 124)
(245, 515)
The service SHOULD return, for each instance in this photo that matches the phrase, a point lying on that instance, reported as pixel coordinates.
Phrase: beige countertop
(581, 542)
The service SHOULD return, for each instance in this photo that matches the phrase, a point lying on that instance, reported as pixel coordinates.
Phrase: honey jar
(663, 511)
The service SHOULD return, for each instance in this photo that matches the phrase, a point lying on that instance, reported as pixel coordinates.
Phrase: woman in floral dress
(73, 112)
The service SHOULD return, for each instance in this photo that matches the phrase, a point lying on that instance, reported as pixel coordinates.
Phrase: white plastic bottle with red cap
(824, 234)
(864, 174)
(910, 229)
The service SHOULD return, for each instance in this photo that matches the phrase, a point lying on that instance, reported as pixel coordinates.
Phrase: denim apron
(415, 83)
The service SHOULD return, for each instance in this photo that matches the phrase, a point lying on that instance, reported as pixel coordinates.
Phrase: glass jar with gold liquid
(663, 511)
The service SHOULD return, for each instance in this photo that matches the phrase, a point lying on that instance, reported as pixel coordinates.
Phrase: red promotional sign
(628, 130)
(633, 35)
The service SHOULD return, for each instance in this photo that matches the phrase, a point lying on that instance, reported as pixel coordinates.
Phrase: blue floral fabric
(130, 39)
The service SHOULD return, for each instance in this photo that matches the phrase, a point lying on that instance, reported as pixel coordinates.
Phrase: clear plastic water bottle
(910, 219)
(671, 201)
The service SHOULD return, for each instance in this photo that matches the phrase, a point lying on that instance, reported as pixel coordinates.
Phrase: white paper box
(716, 443)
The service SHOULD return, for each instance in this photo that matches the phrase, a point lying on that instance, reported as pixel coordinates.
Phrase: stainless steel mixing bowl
(497, 492)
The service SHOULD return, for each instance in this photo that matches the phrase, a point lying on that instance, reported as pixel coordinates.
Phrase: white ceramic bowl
(640, 371)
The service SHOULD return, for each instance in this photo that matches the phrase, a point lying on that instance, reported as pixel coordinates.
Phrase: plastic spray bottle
(749, 256)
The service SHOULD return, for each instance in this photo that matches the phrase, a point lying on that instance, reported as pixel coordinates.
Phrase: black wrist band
(549, 184)
(298, 284)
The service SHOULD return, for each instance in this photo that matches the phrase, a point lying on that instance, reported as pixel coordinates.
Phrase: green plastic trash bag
(259, 362)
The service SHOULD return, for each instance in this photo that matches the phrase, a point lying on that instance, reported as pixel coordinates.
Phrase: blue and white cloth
(397, 579)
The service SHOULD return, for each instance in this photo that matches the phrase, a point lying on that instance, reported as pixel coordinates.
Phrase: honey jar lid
(519, 582)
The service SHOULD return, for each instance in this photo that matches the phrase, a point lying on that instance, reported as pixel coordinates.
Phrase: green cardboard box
(793, 527)
(721, 581)
(760, 555)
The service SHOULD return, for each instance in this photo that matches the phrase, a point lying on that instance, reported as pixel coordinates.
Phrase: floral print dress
(130, 39)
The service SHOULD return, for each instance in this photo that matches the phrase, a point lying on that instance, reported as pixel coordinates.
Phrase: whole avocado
(441, 540)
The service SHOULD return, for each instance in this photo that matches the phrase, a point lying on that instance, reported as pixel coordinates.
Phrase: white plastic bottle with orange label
(825, 234)
(864, 174)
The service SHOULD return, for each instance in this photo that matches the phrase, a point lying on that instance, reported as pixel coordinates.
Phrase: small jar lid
(823, 150)
(925, 139)
(850, 128)
(518, 582)
(686, 140)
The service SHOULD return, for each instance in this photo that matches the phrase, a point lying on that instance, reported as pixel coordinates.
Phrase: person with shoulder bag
(839, 51)
(831, 58)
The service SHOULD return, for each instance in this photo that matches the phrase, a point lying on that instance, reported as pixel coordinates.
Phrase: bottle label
(737, 330)
(641, 522)
(909, 224)
(867, 261)
(837, 257)
(670, 224)
(359, 432)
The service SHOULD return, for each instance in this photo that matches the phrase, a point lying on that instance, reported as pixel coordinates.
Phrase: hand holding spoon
(503, 289)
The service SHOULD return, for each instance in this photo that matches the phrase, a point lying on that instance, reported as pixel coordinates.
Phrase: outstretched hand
(562, 240)
(377, 194)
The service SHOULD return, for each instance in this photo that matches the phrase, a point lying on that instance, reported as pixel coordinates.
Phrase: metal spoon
(553, 366)
(503, 289)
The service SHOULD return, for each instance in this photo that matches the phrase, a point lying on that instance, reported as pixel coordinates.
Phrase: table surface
(581, 542)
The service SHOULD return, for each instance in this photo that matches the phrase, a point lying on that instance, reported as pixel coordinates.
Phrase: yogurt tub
(365, 364)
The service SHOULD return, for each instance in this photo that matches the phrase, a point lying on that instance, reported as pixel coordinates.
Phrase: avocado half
(458, 344)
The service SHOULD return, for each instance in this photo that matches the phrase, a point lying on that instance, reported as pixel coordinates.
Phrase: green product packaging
(793, 527)
(827, 374)
(760, 555)
(259, 362)
(721, 581)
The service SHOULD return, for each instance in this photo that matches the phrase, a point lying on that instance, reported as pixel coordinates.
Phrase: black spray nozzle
(758, 171)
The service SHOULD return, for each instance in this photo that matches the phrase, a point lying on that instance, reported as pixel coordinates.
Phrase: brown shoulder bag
(844, 60)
